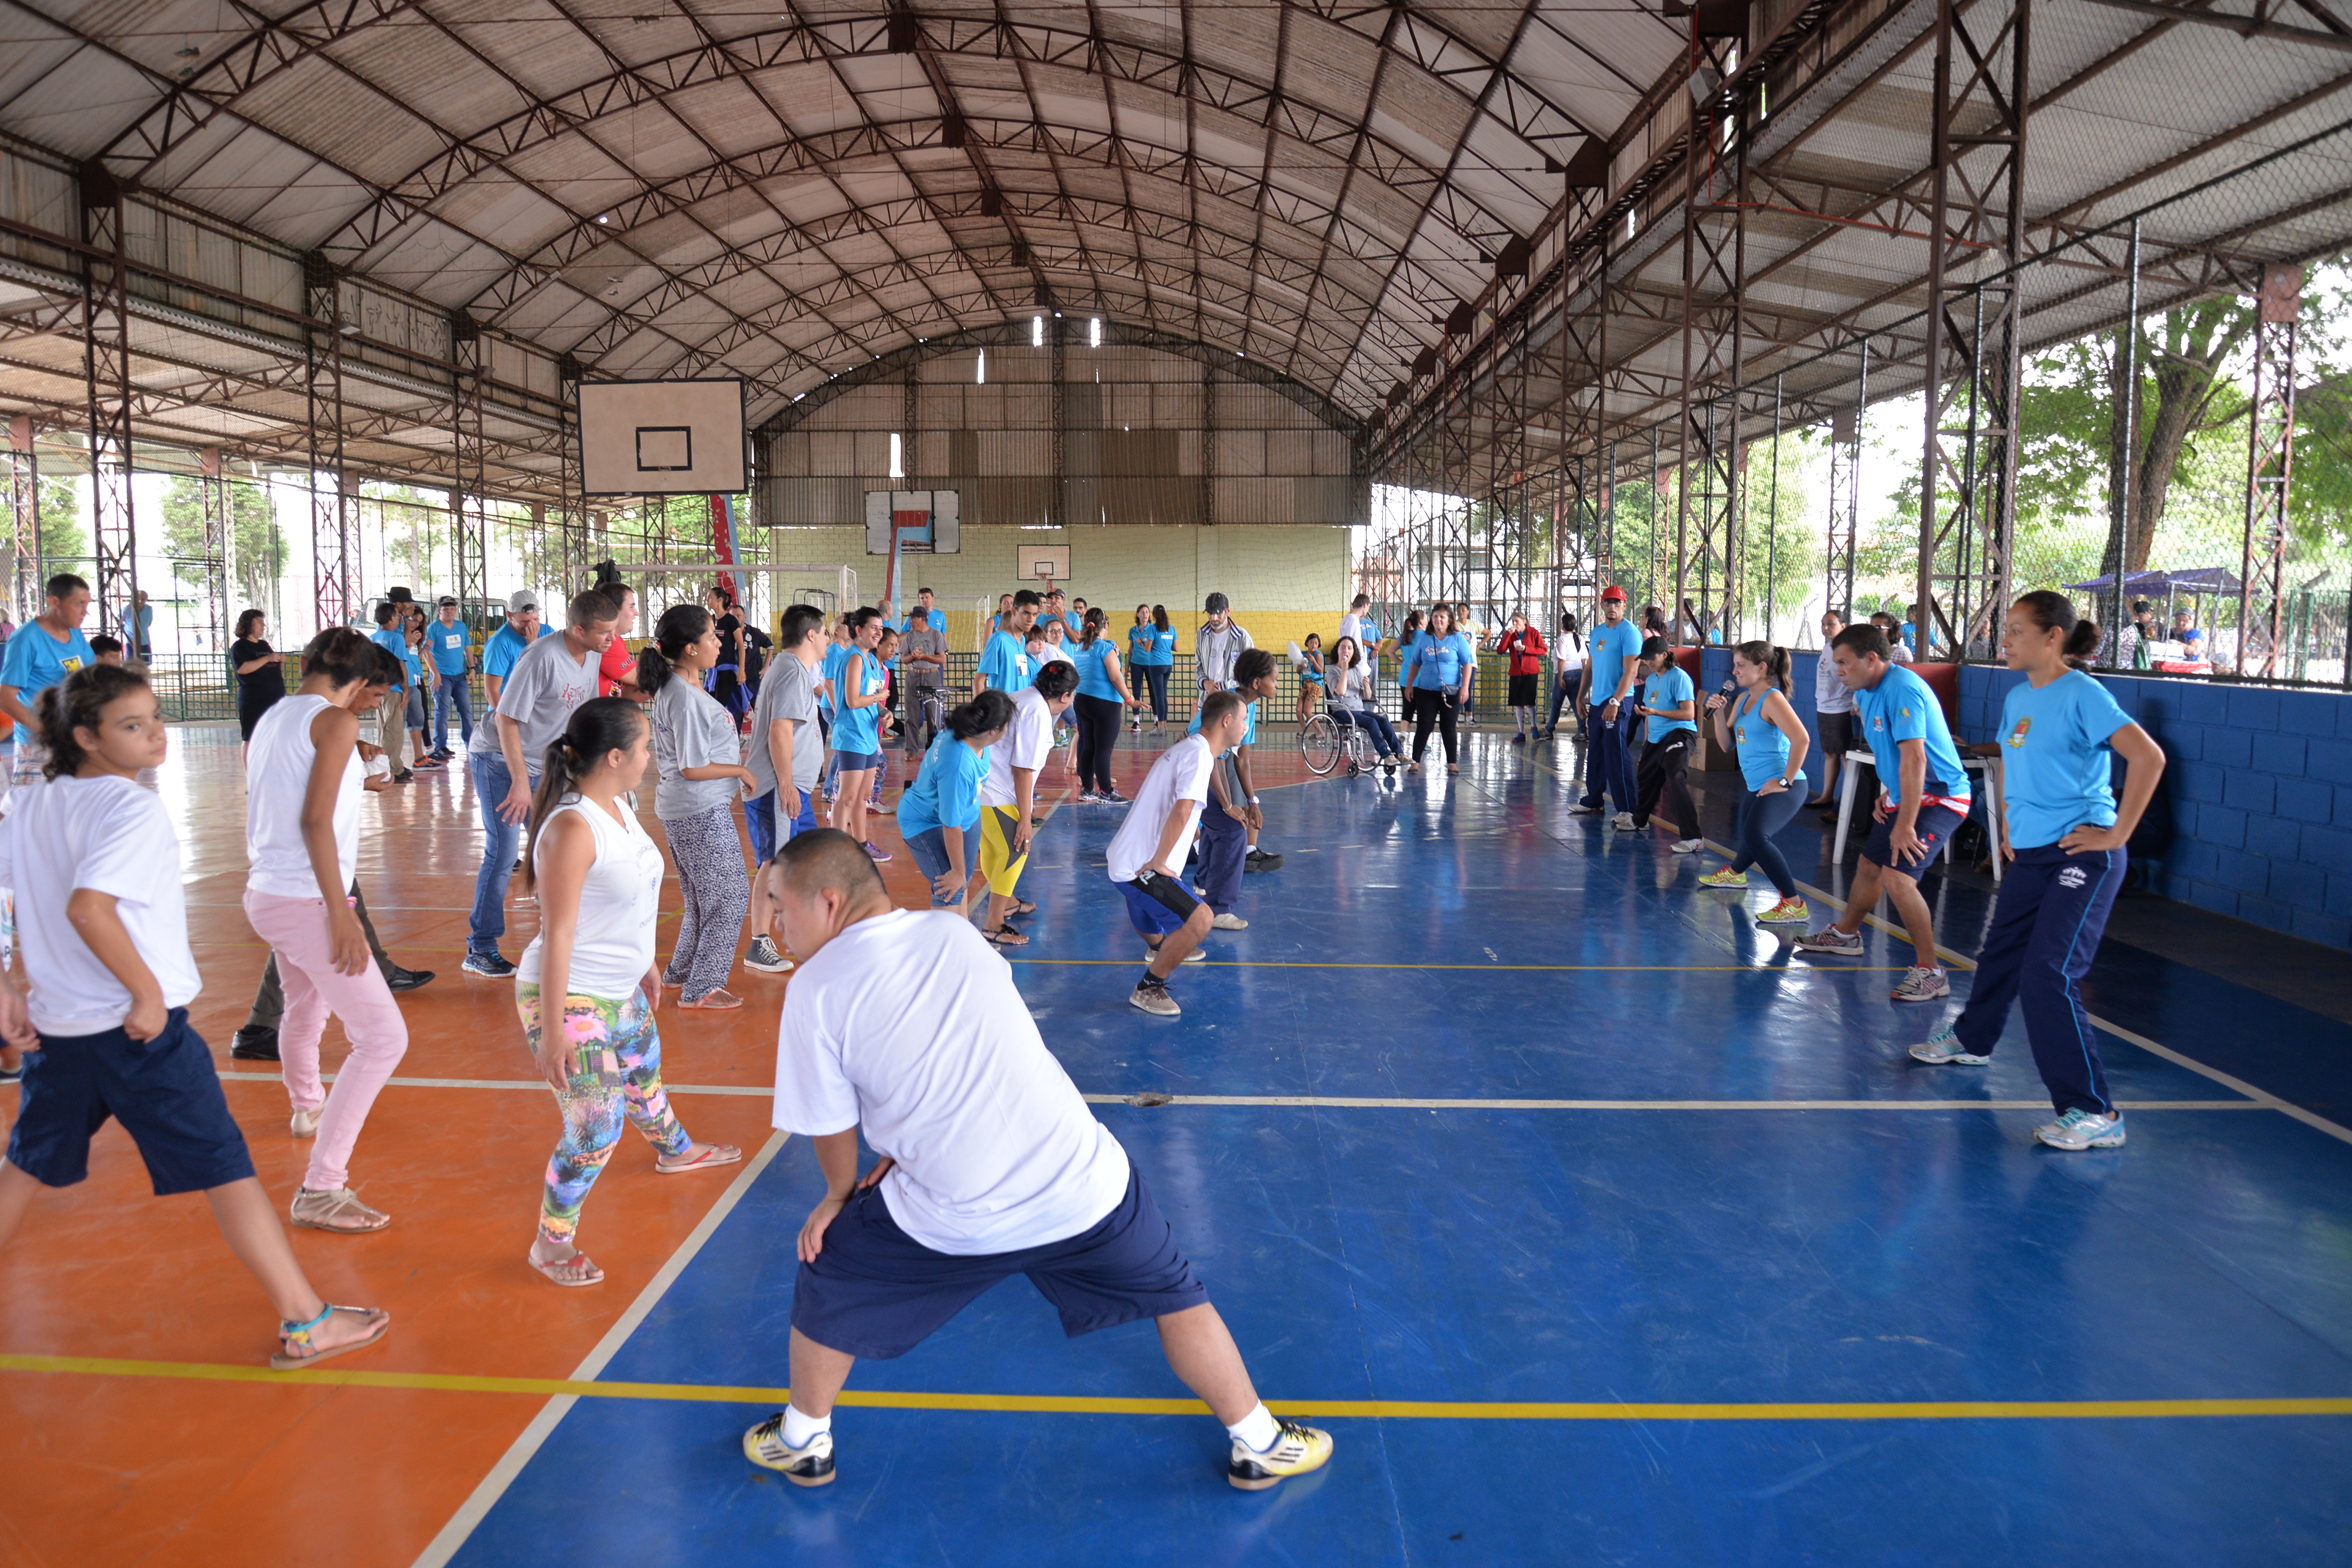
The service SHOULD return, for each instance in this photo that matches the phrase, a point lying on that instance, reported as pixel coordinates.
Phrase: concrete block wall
(2255, 817)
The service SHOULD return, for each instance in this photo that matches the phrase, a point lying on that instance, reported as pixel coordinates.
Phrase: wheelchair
(1325, 741)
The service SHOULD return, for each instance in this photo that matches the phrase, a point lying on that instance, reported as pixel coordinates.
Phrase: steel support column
(2270, 470)
(25, 569)
(1972, 367)
(1714, 344)
(106, 380)
(571, 504)
(1845, 491)
(331, 584)
(468, 506)
(220, 548)
(2123, 458)
(1060, 412)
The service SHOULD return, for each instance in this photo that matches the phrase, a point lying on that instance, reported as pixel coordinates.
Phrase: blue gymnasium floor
(1907, 1244)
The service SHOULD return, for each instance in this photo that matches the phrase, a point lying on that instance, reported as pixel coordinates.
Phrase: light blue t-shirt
(1148, 645)
(1762, 745)
(1438, 662)
(505, 646)
(1606, 653)
(1005, 664)
(1094, 670)
(1249, 722)
(389, 639)
(946, 792)
(36, 661)
(1669, 689)
(858, 730)
(829, 670)
(2057, 771)
(448, 646)
(1902, 707)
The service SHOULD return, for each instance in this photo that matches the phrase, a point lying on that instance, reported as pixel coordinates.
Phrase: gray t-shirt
(921, 637)
(692, 729)
(788, 693)
(541, 693)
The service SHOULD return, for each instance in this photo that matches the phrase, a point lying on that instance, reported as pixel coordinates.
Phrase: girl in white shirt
(598, 878)
(95, 865)
(302, 790)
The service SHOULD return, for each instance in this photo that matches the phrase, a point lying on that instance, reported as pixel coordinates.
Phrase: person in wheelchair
(1351, 700)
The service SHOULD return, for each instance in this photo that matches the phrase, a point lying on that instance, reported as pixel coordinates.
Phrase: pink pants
(296, 930)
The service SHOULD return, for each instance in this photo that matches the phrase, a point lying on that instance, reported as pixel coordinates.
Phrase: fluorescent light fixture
(982, 378)
(1094, 332)
(898, 455)
(1036, 332)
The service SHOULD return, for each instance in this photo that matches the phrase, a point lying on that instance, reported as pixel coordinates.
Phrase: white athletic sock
(799, 1428)
(1257, 1429)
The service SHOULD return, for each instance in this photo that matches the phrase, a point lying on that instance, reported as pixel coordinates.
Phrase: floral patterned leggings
(619, 1075)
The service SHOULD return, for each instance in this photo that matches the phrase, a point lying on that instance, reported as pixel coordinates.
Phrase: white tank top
(278, 765)
(613, 940)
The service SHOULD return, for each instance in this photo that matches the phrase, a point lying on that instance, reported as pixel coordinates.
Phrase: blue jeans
(1562, 695)
(930, 851)
(453, 690)
(759, 823)
(1376, 725)
(500, 838)
(1608, 767)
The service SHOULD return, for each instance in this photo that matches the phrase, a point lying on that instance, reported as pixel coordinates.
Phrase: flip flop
(1005, 936)
(580, 1263)
(288, 1333)
(1024, 907)
(705, 1154)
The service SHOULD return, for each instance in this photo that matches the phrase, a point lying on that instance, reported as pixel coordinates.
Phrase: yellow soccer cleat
(811, 1466)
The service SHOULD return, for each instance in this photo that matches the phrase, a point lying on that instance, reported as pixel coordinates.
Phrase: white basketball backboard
(663, 437)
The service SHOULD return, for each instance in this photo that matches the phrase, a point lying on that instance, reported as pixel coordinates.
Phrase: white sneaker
(306, 1123)
(1229, 921)
(1198, 956)
(1944, 1046)
(1151, 995)
(1296, 1450)
(811, 1466)
(1580, 809)
(1624, 822)
(2081, 1128)
(1921, 985)
(1689, 846)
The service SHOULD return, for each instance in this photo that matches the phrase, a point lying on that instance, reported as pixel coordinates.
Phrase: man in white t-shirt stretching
(1153, 841)
(904, 1023)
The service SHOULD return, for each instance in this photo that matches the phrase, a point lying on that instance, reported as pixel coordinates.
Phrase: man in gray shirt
(551, 679)
(787, 755)
(1216, 644)
(922, 670)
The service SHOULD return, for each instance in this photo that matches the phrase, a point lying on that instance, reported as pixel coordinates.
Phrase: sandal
(296, 1348)
(340, 1210)
(1024, 907)
(710, 1001)
(576, 1270)
(704, 1154)
(1005, 936)
(1452, 767)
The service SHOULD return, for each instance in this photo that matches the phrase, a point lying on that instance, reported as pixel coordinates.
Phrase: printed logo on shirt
(69, 665)
(2073, 877)
(1878, 721)
(2017, 736)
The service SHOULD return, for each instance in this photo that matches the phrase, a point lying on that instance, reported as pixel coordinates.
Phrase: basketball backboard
(1049, 562)
(663, 437)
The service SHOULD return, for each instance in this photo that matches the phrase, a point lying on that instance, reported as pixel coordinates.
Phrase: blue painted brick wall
(2254, 815)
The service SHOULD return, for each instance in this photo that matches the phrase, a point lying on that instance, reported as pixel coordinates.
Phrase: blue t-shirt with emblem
(1900, 708)
(946, 791)
(1149, 646)
(35, 661)
(1762, 745)
(448, 646)
(389, 639)
(2057, 769)
(1438, 663)
(1609, 649)
(858, 730)
(1005, 664)
(829, 670)
(1670, 689)
(505, 646)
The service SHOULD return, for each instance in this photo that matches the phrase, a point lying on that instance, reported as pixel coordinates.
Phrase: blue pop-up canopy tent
(2160, 584)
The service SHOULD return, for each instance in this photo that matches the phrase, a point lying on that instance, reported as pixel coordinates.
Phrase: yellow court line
(1497, 968)
(1078, 1405)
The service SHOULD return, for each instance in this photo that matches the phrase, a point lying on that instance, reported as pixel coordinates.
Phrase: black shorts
(1934, 828)
(165, 1092)
(1157, 905)
(1837, 733)
(876, 1292)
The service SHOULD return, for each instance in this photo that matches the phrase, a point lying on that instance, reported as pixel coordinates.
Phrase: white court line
(476, 1508)
(1361, 1103)
(2267, 1101)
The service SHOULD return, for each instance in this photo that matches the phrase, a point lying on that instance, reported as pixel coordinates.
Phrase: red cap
(1614, 592)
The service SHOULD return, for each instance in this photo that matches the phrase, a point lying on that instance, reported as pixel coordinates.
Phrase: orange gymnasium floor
(199, 1454)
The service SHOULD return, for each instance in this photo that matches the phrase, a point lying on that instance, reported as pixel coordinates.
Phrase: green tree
(259, 549)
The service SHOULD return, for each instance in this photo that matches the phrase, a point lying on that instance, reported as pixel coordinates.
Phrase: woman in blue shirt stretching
(1764, 733)
(1437, 672)
(939, 815)
(2059, 729)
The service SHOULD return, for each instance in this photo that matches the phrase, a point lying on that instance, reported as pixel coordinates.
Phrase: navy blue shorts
(876, 1292)
(165, 1092)
(859, 762)
(1934, 828)
(1157, 905)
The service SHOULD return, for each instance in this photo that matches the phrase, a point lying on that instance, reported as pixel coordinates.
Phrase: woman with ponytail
(598, 878)
(1763, 731)
(939, 815)
(2060, 732)
(701, 762)
(1099, 703)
